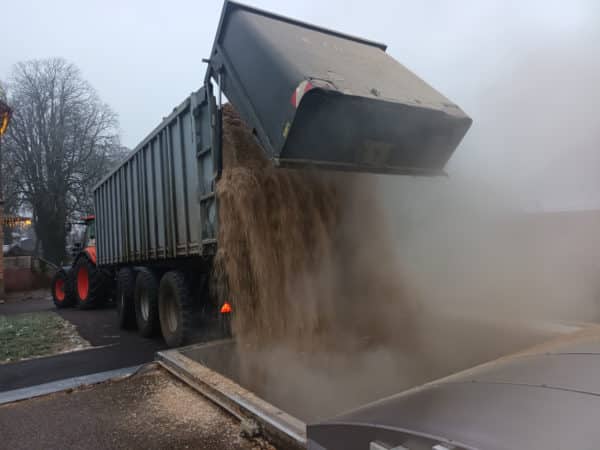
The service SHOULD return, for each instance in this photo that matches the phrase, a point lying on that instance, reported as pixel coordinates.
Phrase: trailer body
(159, 204)
(317, 97)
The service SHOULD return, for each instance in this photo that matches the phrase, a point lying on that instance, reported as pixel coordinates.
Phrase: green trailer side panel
(159, 203)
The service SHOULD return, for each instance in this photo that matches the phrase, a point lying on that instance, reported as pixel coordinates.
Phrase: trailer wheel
(175, 308)
(125, 297)
(90, 284)
(146, 303)
(62, 294)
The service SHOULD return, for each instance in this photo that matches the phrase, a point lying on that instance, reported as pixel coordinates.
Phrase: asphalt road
(113, 348)
(36, 301)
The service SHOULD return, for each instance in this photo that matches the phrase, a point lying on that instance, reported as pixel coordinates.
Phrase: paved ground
(34, 301)
(115, 348)
(151, 410)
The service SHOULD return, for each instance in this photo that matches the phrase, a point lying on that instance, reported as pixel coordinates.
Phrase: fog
(489, 239)
(536, 136)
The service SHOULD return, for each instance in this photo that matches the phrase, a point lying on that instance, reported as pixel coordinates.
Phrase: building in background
(19, 236)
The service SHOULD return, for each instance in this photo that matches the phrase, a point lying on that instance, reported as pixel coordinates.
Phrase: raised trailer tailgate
(320, 98)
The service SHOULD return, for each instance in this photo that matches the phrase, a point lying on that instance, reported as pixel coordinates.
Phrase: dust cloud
(513, 233)
(329, 313)
(470, 251)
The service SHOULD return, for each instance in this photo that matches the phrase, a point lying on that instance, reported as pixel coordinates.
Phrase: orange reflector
(226, 308)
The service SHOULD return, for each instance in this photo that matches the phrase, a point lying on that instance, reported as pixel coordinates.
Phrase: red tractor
(83, 283)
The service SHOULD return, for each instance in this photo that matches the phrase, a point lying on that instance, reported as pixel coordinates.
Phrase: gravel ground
(151, 410)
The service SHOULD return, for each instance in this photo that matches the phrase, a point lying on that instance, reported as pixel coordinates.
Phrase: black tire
(146, 303)
(70, 286)
(125, 298)
(225, 326)
(175, 308)
(62, 292)
(90, 294)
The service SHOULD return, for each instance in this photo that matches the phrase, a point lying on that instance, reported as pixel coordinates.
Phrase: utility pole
(5, 114)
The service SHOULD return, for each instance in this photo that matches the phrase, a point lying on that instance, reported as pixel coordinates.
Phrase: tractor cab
(89, 235)
(89, 239)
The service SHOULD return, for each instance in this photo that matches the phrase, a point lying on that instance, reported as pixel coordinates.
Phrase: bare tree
(7, 182)
(4, 235)
(57, 146)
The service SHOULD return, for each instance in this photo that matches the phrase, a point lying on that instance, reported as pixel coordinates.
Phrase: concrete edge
(279, 427)
(65, 384)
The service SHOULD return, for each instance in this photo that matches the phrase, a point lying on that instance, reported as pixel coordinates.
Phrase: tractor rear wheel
(62, 293)
(90, 284)
(146, 303)
(175, 308)
(125, 297)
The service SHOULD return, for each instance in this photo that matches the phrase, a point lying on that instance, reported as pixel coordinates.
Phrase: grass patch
(25, 336)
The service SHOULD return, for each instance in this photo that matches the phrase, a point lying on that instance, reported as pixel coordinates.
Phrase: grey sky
(526, 71)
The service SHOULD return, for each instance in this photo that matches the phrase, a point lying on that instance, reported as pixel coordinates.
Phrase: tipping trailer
(313, 98)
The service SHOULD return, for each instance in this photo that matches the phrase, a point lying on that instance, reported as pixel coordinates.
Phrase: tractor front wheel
(90, 284)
